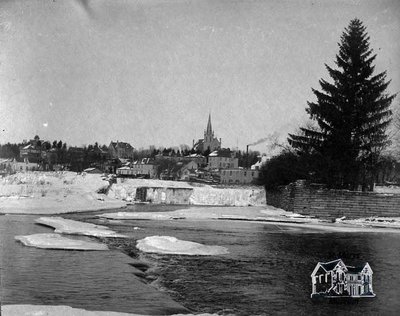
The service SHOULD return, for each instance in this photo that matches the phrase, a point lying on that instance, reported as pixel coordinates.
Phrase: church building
(209, 142)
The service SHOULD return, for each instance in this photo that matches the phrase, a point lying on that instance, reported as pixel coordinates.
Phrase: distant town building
(197, 158)
(222, 159)
(144, 168)
(183, 171)
(209, 142)
(120, 150)
(334, 278)
(238, 176)
(12, 165)
(98, 152)
(32, 150)
(5, 166)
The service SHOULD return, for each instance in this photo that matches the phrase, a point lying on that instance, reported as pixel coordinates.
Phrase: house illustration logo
(334, 279)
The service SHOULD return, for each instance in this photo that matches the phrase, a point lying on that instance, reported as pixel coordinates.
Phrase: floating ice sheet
(140, 215)
(172, 245)
(251, 213)
(56, 241)
(68, 226)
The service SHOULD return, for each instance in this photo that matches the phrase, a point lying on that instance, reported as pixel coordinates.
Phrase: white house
(335, 279)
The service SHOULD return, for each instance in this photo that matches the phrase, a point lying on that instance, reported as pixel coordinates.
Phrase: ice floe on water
(252, 213)
(56, 241)
(172, 245)
(48, 310)
(68, 226)
(139, 215)
(189, 213)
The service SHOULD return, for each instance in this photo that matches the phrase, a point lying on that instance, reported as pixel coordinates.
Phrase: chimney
(247, 157)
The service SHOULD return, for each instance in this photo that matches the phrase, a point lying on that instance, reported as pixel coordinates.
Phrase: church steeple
(209, 142)
(209, 128)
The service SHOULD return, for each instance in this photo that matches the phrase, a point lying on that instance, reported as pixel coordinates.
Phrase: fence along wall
(299, 197)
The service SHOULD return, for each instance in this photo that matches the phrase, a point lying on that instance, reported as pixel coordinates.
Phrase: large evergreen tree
(352, 113)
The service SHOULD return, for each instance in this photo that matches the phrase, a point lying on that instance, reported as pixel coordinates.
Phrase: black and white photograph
(199, 157)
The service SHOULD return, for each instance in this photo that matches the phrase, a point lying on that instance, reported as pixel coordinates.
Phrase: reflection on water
(267, 271)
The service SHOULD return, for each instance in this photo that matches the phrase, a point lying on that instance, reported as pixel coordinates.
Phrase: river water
(267, 270)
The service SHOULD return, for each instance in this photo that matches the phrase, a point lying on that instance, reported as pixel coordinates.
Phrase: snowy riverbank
(373, 222)
(176, 192)
(54, 193)
(65, 192)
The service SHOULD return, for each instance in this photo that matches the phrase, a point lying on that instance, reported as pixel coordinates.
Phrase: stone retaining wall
(305, 199)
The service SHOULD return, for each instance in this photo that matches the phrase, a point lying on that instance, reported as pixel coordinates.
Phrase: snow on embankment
(173, 192)
(125, 189)
(54, 193)
(228, 197)
(48, 310)
(68, 226)
(172, 245)
(389, 222)
(56, 241)
(390, 189)
(41, 184)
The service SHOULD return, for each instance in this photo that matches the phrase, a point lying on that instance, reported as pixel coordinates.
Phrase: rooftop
(330, 265)
(119, 144)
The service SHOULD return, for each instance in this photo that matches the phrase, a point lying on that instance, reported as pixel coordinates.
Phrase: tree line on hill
(343, 145)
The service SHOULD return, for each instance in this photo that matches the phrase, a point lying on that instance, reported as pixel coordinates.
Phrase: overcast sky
(149, 72)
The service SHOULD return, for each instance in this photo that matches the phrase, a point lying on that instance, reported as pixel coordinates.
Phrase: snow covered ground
(125, 189)
(56, 241)
(228, 196)
(64, 192)
(172, 245)
(390, 189)
(54, 193)
(68, 226)
(48, 310)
